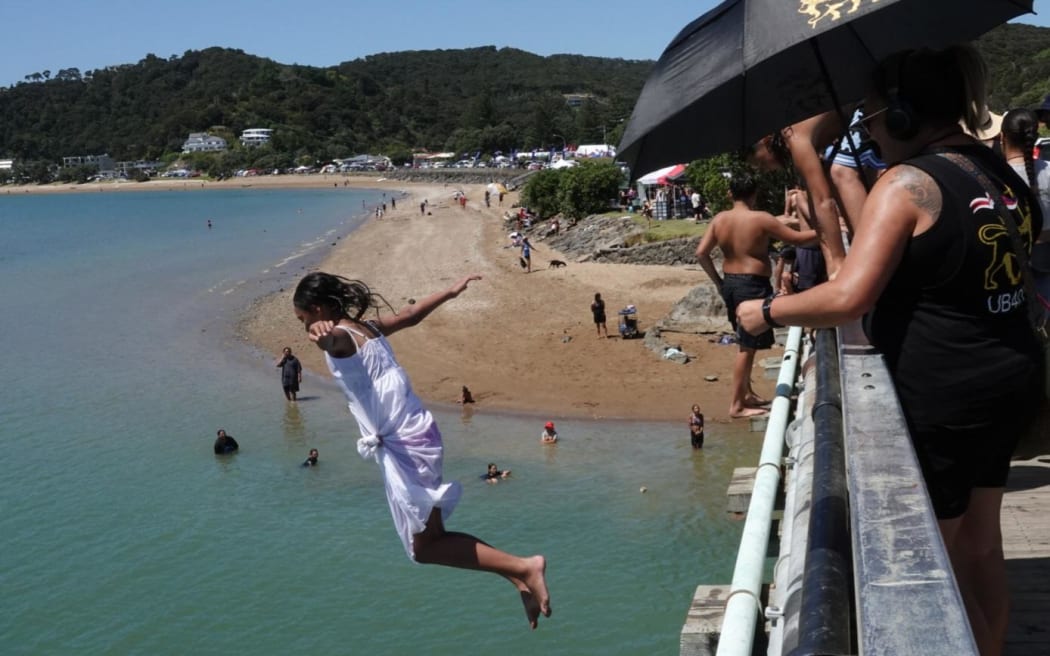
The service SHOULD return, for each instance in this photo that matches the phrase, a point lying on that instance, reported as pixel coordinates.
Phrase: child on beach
(399, 432)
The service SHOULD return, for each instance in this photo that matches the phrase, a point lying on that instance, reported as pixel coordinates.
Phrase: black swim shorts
(740, 287)
(809, 267)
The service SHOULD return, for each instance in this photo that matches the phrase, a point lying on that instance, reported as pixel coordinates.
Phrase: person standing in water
(291, 374)
(696, 427)
(399, 433)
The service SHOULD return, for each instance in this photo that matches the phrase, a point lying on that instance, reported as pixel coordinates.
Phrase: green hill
(477, 99)
(467, 100)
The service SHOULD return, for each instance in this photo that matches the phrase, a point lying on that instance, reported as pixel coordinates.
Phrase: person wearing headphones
(933, 267)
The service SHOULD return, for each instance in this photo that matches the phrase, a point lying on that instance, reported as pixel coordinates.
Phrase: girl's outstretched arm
(410, 315)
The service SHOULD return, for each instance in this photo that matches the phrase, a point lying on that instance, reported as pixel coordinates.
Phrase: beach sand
(523, 343)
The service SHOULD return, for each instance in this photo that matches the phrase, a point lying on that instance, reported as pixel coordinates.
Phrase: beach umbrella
(749, 67)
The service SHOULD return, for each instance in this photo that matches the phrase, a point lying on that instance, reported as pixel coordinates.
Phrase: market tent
(663, 176)
(564, 164)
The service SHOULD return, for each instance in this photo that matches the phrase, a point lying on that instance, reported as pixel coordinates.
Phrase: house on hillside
(7, 164)
(103, 163)
(202, 142)
(256, 136)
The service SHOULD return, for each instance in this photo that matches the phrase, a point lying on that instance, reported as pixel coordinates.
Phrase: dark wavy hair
(1020, 130)
(350, 298)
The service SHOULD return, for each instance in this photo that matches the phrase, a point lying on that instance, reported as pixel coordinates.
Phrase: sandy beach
(523, 343)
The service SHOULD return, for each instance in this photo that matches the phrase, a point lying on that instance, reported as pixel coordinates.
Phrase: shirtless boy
(743, 235)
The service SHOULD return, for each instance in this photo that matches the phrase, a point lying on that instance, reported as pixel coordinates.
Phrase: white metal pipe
(744, 606)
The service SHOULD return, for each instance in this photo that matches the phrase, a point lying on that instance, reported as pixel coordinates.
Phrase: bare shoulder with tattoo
(919, 188)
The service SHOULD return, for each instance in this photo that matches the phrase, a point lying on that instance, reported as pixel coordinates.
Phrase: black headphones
(900, 118)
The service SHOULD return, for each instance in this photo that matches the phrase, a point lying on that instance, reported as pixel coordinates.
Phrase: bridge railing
(863, 569)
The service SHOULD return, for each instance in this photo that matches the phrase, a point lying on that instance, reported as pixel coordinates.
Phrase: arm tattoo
(921, 189)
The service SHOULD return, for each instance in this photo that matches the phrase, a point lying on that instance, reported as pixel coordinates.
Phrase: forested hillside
(478, 99)
(464, 100)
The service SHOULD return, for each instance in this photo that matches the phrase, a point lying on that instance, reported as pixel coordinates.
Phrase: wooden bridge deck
(1026, 541)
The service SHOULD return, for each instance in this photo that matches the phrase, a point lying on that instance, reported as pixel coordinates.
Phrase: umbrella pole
(838, 110)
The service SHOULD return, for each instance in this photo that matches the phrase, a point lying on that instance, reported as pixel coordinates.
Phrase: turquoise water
(123, 534)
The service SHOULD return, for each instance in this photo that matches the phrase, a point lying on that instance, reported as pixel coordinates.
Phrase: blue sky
(50, 35)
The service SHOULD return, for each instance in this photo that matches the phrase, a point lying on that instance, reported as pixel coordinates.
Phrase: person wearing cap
(549, 435)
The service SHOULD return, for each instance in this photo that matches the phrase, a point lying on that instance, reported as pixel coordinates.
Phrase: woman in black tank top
(934, 266)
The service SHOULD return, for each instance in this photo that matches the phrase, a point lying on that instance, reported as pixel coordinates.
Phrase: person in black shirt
(291, 373)
(495, 475)
(311, 459)
(598, 311)
(225, 444)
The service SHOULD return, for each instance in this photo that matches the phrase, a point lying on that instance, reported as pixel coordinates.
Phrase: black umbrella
(748, 67)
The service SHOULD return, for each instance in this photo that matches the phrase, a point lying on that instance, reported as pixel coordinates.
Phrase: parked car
(1042, 148)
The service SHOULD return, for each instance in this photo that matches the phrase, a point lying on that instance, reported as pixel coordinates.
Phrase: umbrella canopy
(748, 67)
(663, 175)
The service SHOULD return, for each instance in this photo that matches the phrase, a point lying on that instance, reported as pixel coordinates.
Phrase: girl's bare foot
(536, 581)
(532, 607)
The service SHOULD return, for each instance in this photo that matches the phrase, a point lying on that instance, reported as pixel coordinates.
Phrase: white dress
(397, 431)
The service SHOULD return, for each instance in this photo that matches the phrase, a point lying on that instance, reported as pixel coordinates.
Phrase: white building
(202, 142)
(103, 162)
(6, 164)
(256, 136)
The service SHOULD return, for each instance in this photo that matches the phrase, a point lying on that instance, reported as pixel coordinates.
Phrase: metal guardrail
(876, 579)
(906, 597)
(824, 622)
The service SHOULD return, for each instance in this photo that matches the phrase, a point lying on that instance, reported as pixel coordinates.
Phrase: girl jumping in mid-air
(399, 432)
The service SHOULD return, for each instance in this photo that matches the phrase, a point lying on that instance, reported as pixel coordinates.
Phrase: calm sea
(121, 533)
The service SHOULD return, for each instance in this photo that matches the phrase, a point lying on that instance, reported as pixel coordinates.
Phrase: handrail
(744, 607)
(824, 620)
(906, 596)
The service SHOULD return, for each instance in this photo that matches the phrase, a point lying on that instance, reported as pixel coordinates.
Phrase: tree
(78, 174)
(589, 188)
(540, 193)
